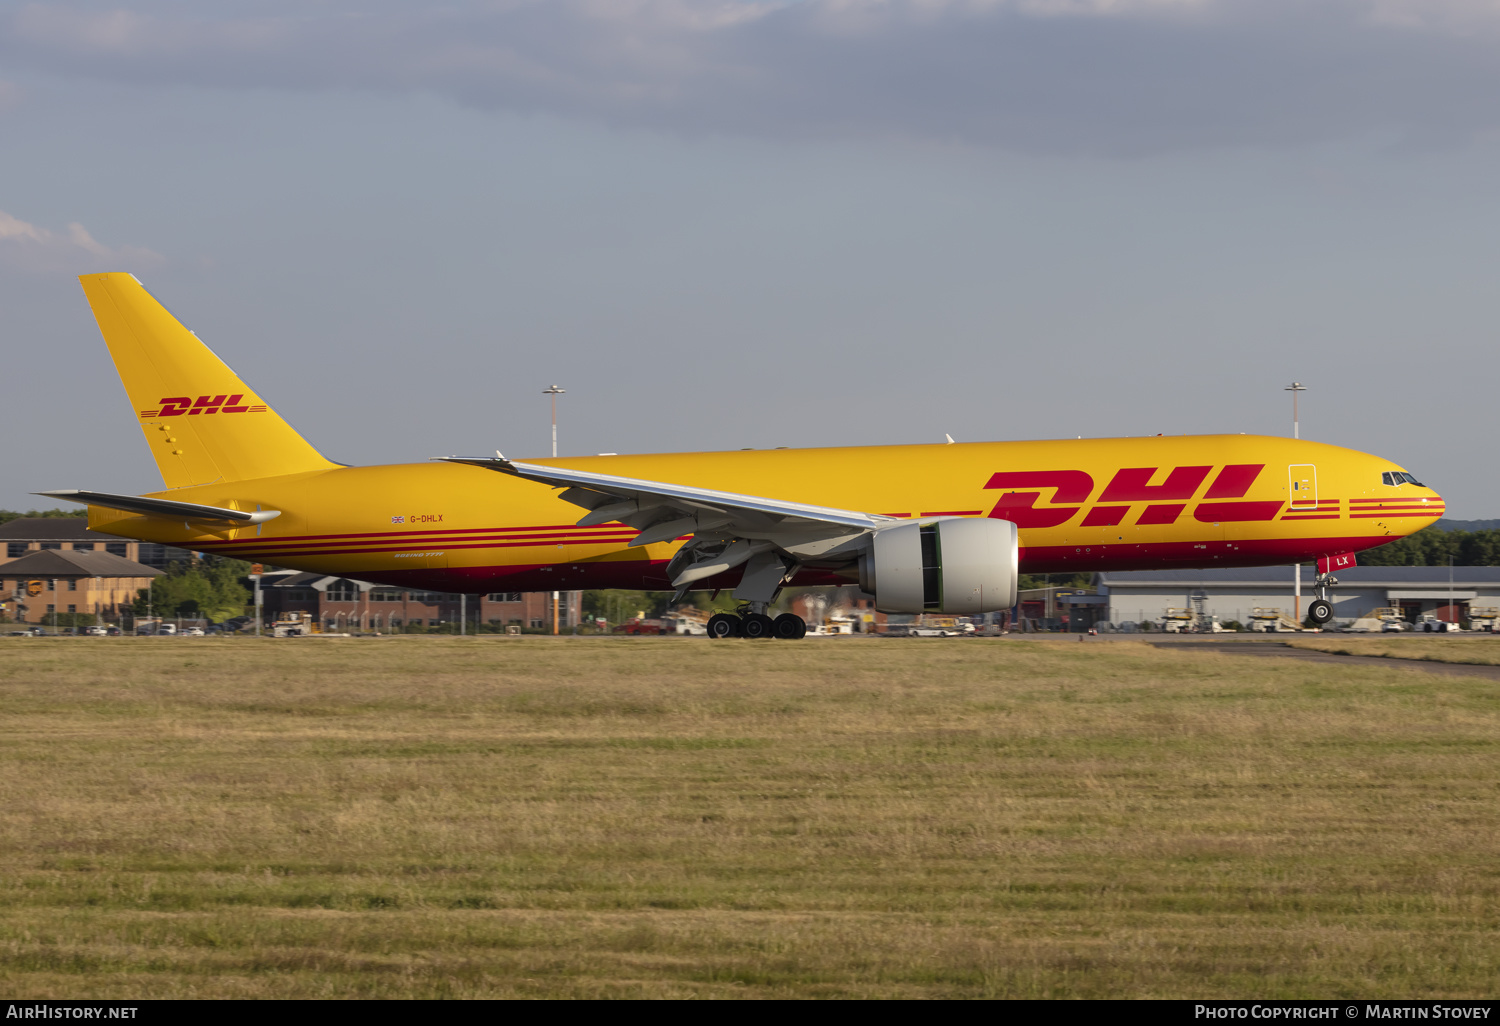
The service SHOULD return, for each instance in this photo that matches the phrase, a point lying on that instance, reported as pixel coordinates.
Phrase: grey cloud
(28, 247)
(1061, 76)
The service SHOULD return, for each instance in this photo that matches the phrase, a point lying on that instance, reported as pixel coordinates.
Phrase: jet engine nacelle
(946, 565)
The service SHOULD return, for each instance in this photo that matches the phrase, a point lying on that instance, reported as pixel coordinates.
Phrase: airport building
(1231, 594)
(25, 535)
(341, 604)
(35, 585)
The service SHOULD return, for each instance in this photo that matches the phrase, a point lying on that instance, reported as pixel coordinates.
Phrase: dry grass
(1475, 649)
(417, 817)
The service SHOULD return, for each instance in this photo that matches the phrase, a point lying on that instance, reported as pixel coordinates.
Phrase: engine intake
(945, 565)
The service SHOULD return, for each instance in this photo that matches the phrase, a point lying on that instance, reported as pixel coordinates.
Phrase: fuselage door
(1303, 486)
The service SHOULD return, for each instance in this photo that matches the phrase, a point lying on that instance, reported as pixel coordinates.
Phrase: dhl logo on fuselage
(180, 405)
(1165, 501)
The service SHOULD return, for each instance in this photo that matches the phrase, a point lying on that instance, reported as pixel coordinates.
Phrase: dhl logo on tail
(177, 406)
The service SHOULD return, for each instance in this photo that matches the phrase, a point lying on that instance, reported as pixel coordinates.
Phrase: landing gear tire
(1320, 612)
(724, 625)
(757, 625)
(789, 627)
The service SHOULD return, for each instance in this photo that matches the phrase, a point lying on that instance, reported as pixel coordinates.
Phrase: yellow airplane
(923, 528)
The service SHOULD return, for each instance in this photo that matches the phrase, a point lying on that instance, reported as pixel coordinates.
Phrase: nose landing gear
(1320, 610)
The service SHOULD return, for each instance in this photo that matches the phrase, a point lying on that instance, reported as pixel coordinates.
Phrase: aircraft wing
(727, 528)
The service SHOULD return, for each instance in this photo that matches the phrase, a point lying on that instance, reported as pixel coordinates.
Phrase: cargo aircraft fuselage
(923, 527)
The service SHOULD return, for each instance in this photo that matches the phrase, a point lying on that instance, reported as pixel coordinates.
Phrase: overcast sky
(727, 224)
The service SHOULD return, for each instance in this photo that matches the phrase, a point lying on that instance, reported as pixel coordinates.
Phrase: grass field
(1481, 649)
(418, 817)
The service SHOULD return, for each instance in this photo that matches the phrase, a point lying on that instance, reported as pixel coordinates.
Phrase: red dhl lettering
(1017, 507)
(1234, 481)
(180, 405)
(1130, 484)
(1105, 516)
(1236, 512)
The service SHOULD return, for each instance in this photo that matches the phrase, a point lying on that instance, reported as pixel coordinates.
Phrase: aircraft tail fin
(203, 424)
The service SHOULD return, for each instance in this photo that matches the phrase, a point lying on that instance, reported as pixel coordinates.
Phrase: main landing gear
(1320, 610)
(754, 623)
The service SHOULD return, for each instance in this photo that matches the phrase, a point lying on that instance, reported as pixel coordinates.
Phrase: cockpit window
(1411, 480)
(1387, 478)
(1399, 477)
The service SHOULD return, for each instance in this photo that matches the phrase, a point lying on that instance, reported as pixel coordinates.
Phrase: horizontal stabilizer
(164, 508)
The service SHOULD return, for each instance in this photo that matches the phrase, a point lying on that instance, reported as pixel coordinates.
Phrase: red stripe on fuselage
(408, 533)
(1392, 516)
(1236, 512)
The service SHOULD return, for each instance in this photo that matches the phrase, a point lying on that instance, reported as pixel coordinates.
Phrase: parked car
(192, 632)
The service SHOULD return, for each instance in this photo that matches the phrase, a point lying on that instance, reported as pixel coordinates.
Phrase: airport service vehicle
(1271, 620)
(294, 625)
(685, 621)
(1178, 621)
(636, 625)
(1383, 619)
(1484, 618)
(923, 528)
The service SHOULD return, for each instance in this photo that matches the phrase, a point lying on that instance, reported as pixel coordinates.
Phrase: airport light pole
(1294, 388)
(256, 570)
(554, 392)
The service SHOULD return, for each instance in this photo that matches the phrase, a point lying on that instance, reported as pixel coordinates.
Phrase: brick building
(36, 584)
(341, 604)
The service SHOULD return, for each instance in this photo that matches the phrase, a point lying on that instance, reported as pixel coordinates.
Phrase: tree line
(1436, 547)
